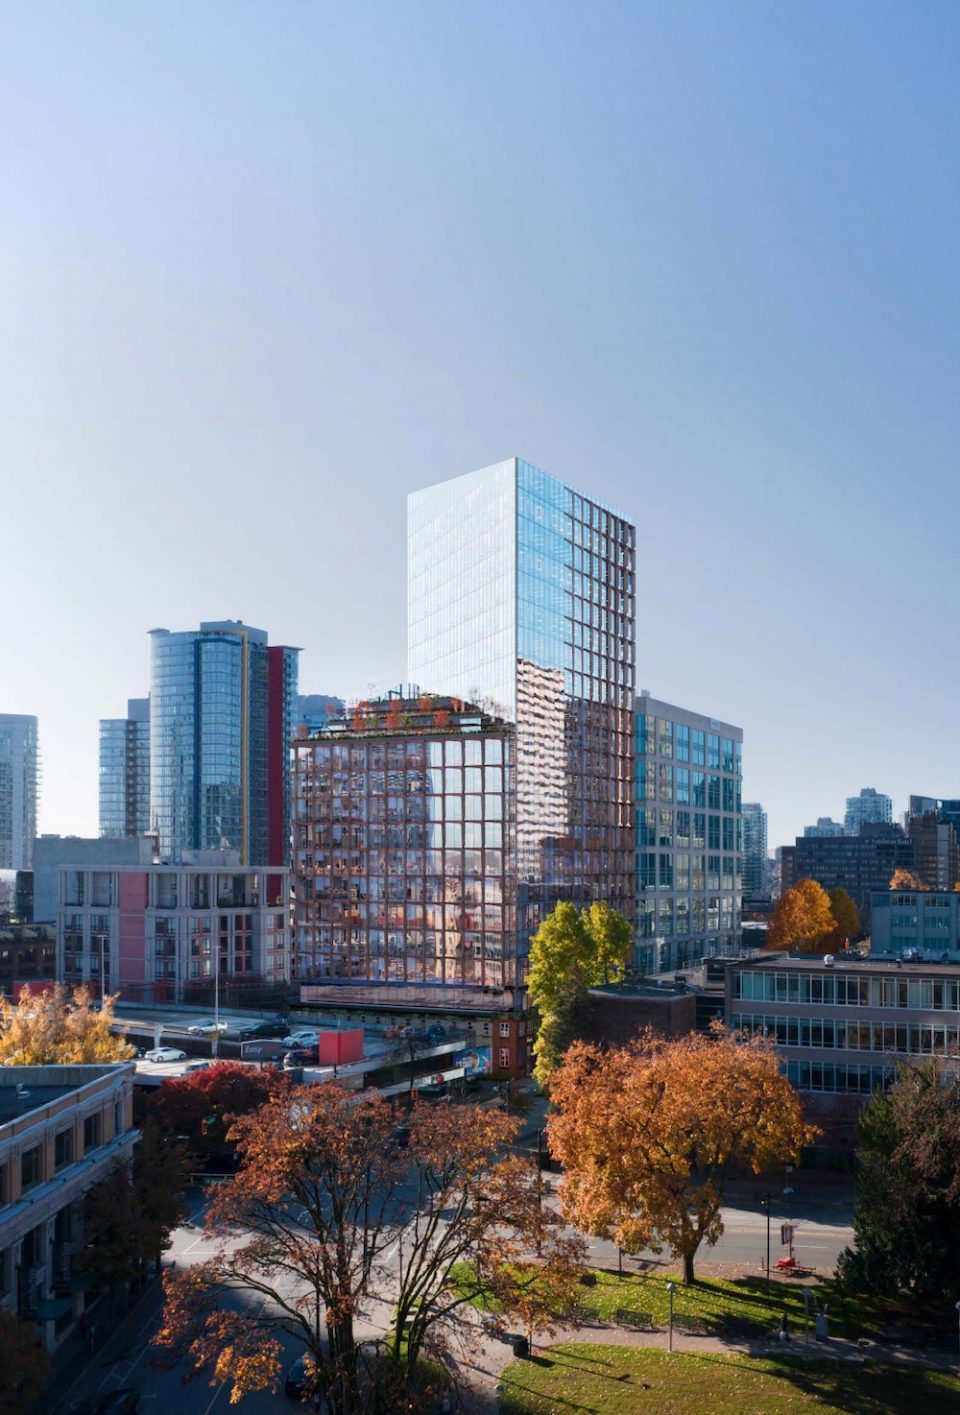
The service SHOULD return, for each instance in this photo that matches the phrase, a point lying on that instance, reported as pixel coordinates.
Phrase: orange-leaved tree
(846, 916)
(802, 918)
(647, 1134)
(58, 1027)
(483, 1215)
(906, 879)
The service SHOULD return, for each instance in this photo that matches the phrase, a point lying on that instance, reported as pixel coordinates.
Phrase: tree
(483, 1215)
(906, 879)
(802, 918)
(131, 1215)
(408, 1043)
(846, 917)
(305, 1230)
(201, 1105)
(648, 1132)
(57, 1027)
(24, 1365)
(570, 952)
(907, 1208)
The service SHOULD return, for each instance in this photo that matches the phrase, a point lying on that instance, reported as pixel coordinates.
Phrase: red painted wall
(337, 1048)
(132, 945)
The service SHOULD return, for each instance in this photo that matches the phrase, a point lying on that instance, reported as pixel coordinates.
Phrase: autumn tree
(572, 951)
(907, 879)
(802, 918)
(648, 1133)
(202, 1104)
(846, 917)
(59, 1027)
(24, 1365)
(906, 1221)
(483, 1215)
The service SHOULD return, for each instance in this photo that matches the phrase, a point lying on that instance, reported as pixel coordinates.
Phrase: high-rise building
(222, 714)
(520, 598)
(125, 772)
(825, 829)
(19, 778)
(869, 808)
(754, 851)
(859, 864)
(689, 834)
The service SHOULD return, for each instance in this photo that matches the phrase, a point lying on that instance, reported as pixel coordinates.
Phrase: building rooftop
(425, 715)
(24, 1089)
(814, 963)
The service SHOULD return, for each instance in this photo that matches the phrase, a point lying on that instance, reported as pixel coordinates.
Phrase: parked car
(125, 1401)
(208, 1028)
(305, 1037)
(266, 1031)
(300, 1056)
(165, 1054)
(197, 1066)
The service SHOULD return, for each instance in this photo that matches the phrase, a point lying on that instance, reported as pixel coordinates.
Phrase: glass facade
(209, 740)
(689, 835)
(521, 597)
(125, 772)
(403, 827)
(19, 775)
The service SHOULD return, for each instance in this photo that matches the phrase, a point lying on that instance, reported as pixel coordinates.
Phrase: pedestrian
(783, 1334)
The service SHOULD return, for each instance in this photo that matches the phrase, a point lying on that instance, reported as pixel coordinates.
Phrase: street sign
(786, 1234)
(262, 1051)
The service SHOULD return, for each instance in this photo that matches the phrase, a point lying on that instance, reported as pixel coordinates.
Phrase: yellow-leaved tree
(56, 1027)
(803, 918)
(648, 1133)
(906, 879)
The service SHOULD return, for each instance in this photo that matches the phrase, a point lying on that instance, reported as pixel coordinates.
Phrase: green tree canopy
(572, 950)
(907, 1216)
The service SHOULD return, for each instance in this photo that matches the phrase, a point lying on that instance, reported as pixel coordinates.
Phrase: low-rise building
(62, 1128)
(151, 931)
(843, 1027)
(28, 958)
(913, 924)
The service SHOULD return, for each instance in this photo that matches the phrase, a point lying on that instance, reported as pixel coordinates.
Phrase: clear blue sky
(266, 267)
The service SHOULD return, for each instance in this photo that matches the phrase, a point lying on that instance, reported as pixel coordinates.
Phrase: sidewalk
(75, 1359)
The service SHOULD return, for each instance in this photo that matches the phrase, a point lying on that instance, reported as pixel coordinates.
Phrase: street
(822, 1230)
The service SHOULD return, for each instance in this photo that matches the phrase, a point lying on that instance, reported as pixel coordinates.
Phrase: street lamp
(671, 1289)
(766, 1199)
(806, 1316)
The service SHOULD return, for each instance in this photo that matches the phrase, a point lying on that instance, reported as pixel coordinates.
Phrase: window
(30, 1169)
(63, 1149)
(504, 1058)
(504, 1029)
(91, 1132)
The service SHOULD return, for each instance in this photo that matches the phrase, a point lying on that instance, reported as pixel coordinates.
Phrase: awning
(51, 1307)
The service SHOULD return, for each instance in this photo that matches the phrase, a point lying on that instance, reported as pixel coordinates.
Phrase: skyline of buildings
(870, 807)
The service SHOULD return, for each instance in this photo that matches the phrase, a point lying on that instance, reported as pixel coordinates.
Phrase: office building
(754, 851)
(404, 823)
(824, 829)
(845, 1028)
(125, 772)
(915, 923)
(521, 600)
(936, 855)
(157, 932)
(869, 808)
(860, 864)
(19, 780)
(689, 835)
(223, 708)
(62, 1130)
(28, 958)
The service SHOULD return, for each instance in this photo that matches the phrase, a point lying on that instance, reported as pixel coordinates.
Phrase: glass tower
(125, 772)
(210, 741)
(19, 774)
(521, 598)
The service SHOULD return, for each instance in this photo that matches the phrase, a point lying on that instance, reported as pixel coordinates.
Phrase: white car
(208, 1028)
(304, 1038)
(165, 1054)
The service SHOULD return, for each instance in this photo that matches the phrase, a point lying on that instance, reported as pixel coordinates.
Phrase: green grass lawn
(734, 1308)
(618, 1380)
